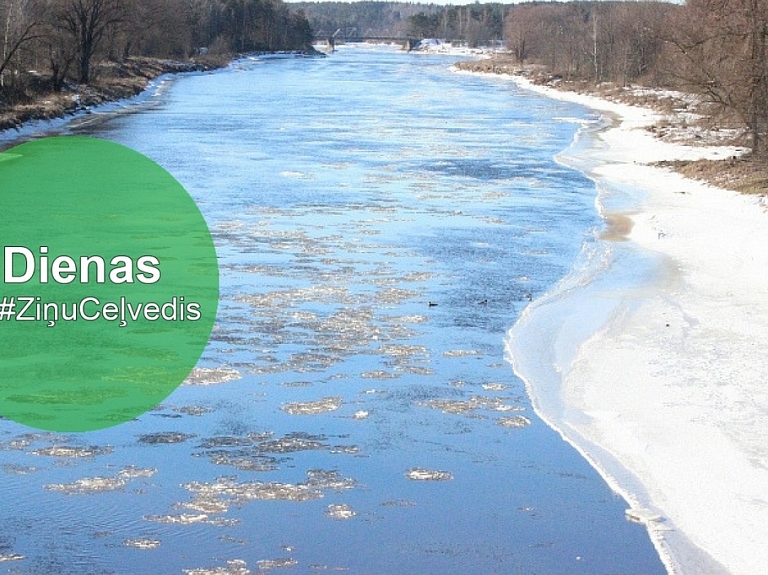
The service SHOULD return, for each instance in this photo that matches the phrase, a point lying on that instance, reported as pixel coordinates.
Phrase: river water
(381, 222)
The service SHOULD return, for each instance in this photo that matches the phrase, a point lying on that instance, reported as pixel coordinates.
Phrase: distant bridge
(350, 36)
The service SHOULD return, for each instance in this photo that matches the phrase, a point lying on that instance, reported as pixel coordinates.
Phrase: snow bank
(653, 359)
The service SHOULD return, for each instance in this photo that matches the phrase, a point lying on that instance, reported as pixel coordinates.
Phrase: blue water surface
(381, 222)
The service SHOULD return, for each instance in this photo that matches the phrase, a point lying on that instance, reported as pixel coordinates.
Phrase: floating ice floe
(461, 353)
(293, 442)
(505, 407)
(416, 369)
(348, 449)
(89, 485)
(399, 503)
(25, 440)
(211, 498)
(228, 441)
(244, 461)
(234, 567)
(340, 512)
(297, 384)
(195, 410)
(142, 543)
(517, 421)
(329, 479)
(420, 474)
(269, 564)
(189, 519)
(249, 452)
(72, 451)
(165, 437)
(400, 350)
(131, 471)
(211, 376)
(204, 505)
(11, 557)
(495, 386)
(323, 405)
(362, 414)
(230, 491)
(379, 374)
(474, 403)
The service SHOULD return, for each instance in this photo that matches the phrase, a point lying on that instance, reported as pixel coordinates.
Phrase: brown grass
(746, 174)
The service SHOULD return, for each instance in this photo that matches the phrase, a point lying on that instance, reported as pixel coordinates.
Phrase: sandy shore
(651, 357)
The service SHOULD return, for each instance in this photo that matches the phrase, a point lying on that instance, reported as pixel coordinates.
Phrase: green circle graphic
(110, 284)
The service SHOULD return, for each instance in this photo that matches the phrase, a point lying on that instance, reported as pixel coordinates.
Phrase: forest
(477, 24)
(49, 45)
(363, 19)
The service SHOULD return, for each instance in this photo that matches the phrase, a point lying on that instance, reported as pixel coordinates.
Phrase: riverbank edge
(566, 305)
(680, 552)
(117, 81)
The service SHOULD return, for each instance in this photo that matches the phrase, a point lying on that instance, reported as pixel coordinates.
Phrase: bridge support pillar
(411, 44)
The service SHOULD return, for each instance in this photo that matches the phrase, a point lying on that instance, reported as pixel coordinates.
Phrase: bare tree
(517, 32)
(60, 55)
(721, 51)
(21, 26)
(87, 22)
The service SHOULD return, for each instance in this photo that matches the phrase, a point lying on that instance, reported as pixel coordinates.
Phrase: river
(380, 222)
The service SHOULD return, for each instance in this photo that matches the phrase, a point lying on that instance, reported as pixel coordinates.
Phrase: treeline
(363, 19)
(474, 24)
(598, 41)
(49, 43)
